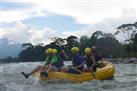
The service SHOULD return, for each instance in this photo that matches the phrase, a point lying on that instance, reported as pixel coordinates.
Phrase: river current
(125, 79)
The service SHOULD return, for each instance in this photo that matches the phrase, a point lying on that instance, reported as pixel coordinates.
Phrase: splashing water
(125, 79)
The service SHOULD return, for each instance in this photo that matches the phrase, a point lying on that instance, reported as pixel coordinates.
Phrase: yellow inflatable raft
(101, 74)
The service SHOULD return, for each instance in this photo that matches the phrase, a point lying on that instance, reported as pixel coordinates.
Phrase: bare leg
(49, 68)
(45, 70)
(33, 71)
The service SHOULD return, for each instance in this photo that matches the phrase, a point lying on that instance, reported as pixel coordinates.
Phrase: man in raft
(94, 51)
(52, 63)
(77, 62)
(97, 57)
(89, 60)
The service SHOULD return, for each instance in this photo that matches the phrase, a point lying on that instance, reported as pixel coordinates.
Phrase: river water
(125, 79)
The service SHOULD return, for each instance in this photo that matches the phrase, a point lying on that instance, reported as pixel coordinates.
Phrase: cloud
(8, 16)
(22, 33)
(84, 11)
(104, 15)
(107, 25)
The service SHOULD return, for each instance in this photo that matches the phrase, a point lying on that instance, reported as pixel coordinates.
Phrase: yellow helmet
(54, 51)
(87, 50)
(48, 51)
(74, 49)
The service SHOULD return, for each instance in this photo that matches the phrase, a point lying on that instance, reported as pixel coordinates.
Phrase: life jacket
(53, 60)
(77, 60)
(88, 59)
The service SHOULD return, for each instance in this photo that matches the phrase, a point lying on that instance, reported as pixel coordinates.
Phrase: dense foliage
(129, 31)
(106, 43)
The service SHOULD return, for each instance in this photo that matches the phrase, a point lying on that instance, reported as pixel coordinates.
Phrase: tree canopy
(106, 44)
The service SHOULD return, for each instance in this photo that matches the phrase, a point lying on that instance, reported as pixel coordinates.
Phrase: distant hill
(7, 49)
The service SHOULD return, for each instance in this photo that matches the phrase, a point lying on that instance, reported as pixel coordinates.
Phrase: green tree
(94, 37)
(84, 41)
(35, 53)
(108, 46)
(129, 33)
(27, 45)
(58, 41)
(72, 41)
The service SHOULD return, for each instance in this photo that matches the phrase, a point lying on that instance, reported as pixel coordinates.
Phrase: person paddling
(90, 60)
(77, 62)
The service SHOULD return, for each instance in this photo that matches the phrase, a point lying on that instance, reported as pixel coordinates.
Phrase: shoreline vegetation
(108, 46)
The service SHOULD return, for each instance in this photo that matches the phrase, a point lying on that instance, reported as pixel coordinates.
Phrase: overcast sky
(36, 21)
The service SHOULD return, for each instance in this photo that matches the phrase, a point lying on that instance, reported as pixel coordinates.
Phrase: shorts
(54, 68)
(61, 68)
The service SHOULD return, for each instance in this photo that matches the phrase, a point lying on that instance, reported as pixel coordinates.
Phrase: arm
(82, 64)
(84, 58)
(47, 63)
(94, 61)
(48, 60)
(65, 55)
(60, 59)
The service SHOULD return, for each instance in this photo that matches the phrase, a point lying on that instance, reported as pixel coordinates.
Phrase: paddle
(93, 74)
(77, 70)
(94, 63)
(91, 70)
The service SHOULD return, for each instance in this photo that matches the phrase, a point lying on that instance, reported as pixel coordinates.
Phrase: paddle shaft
(77, 70)
(93, 74)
